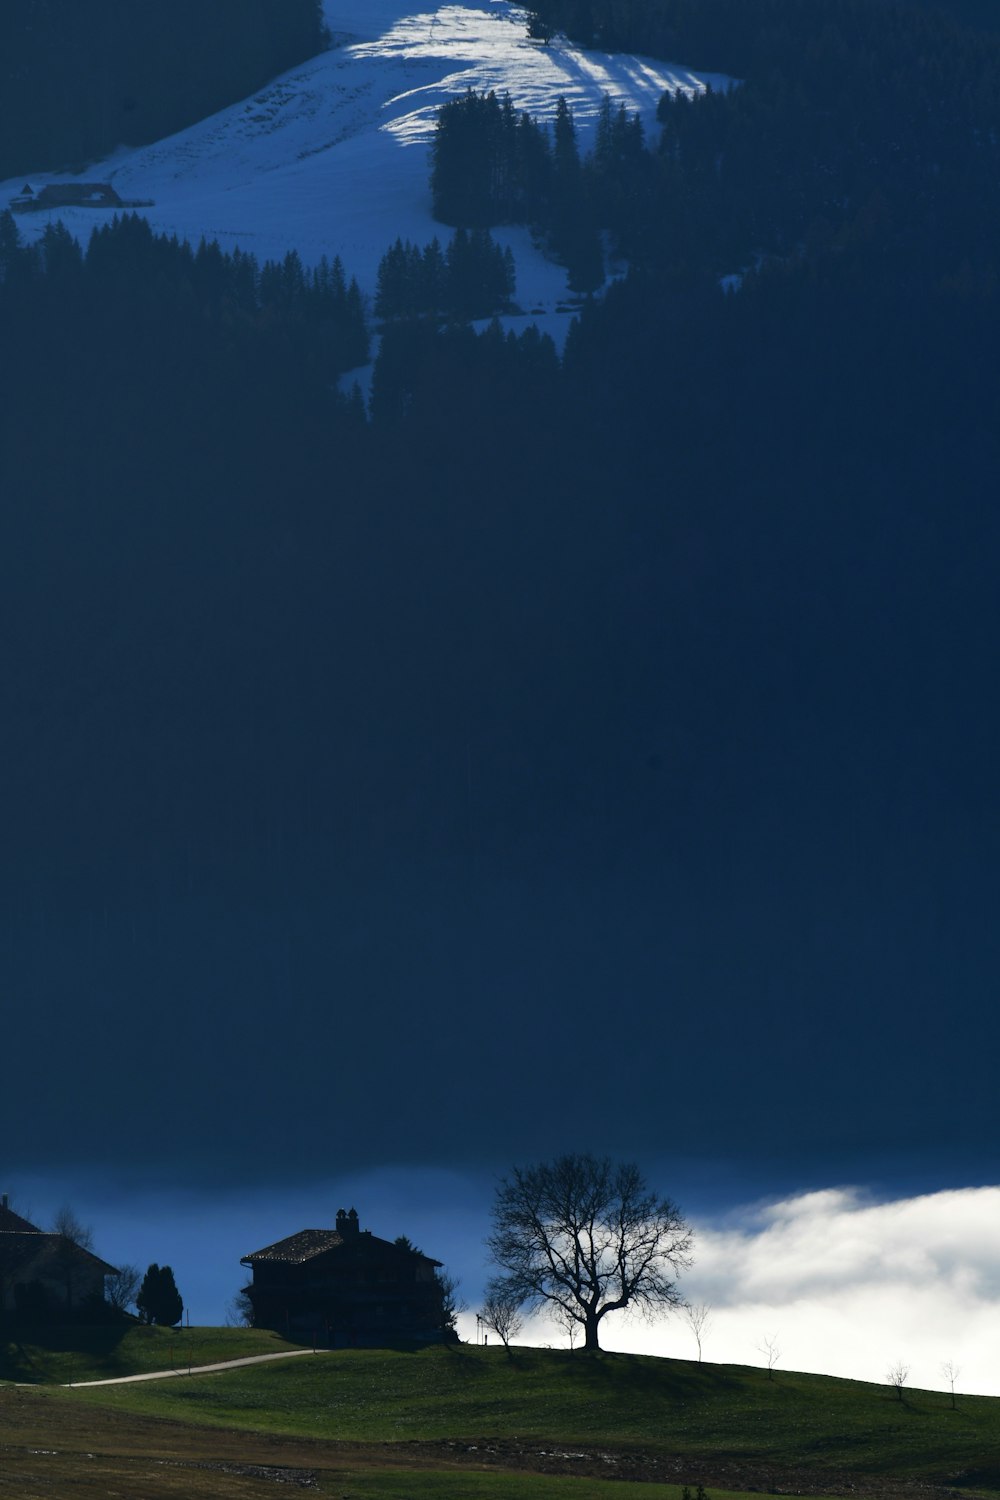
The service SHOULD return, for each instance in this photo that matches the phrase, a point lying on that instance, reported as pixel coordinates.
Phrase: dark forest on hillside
(744, 36)
(701, 618)
(78, 79)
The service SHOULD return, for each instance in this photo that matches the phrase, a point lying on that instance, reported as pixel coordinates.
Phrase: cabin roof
(296, 1249)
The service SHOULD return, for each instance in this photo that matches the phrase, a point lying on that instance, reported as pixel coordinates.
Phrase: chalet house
(45, 1275)
(66, 195)
(347, 1288)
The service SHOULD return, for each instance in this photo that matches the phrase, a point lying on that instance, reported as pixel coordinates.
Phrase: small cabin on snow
(66, 195)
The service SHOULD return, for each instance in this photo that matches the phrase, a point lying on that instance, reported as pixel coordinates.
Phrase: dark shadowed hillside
(77, 79)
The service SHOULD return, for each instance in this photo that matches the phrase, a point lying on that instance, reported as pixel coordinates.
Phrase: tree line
(314, 316)
(472, 278)
(491, 165)
(741, 38)
(78, 80)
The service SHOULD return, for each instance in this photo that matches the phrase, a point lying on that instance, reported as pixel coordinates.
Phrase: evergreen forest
(472, 278)
(720, 579)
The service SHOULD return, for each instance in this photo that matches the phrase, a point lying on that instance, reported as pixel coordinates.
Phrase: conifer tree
(567, 153)
(539, 30)
(390, 283)
(533, 157)
(159, 1300)
(434, 271)
(356, 342)
(9, 242)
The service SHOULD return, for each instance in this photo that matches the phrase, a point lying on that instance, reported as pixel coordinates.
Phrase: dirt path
(186, 1370)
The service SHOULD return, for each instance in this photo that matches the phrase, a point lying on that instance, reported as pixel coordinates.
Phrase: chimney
(3, 1201)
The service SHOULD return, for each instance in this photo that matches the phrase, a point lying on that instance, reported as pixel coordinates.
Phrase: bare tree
(951, 1372)
(896, 1377)
(585, 1235)
(698, 1317)
(239, 1313)
(122, 1288)
(451, 1302)
(771, 1351)
(502, 1312)
(565, 1320)
(73, 1236)
(68, 1226)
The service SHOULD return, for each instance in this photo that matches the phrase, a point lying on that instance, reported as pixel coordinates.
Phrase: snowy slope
(332, 158)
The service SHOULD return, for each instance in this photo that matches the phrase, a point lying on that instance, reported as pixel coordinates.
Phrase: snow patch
(332, 157)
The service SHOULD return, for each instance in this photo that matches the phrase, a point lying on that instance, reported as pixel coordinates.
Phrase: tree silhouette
(585, 1236)
(159, 1300)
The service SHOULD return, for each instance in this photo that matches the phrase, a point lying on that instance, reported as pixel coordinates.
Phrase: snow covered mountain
(332, 157)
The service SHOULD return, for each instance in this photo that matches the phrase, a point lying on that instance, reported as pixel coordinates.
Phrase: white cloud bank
(847, 1285)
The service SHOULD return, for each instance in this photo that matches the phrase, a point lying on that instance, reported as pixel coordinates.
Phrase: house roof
(19, 1249)
(297, 1248)
(21, 1241)
(94, 1259)
(10, 1222)
(308, 1243)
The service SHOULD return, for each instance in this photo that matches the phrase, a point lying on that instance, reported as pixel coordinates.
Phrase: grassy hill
(612, 1414)
(61, 1355)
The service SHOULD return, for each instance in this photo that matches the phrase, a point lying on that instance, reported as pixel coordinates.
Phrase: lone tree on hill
(584, 1236)
(771, 1351)
(699, 1320)
(502, 1312)
(159, 1301)
(951, 1372)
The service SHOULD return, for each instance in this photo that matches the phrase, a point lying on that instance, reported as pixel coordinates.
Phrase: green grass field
(448, 1423)
(401, 1484)
(724, 1414)
(59, 1355)
(53, 1443)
